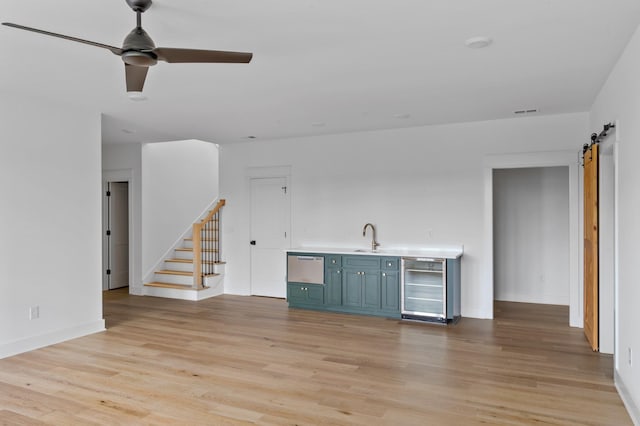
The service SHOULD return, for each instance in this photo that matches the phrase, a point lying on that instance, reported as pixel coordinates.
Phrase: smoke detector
(478, 42)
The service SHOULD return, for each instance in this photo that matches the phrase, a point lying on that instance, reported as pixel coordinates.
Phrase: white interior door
(270, 224)
(118, 238)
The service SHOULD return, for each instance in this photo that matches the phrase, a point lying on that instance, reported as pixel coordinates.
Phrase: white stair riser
(174, 279)
(179, 266)
(184, 254)
(218, 268)
(216, 288)
(215, 281)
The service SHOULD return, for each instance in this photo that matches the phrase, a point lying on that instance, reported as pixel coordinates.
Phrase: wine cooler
(430, 289)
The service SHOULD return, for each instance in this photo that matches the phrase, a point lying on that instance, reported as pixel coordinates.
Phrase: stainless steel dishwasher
(305, 269)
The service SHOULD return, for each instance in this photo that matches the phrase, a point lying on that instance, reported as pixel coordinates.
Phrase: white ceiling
(319, 66)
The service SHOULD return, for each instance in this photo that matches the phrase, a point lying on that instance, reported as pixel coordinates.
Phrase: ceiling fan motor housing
(137, 49)
(139, 5)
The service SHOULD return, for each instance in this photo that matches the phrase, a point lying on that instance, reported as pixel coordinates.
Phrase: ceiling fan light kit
(138, 51)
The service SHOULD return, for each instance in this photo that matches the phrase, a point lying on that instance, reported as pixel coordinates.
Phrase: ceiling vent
(525, 111)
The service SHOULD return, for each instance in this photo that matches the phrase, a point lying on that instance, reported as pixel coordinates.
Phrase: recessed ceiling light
(478, 42)
(403, 116)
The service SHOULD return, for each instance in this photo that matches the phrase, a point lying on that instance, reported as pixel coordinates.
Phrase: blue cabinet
(305, 294)
(362, 284)
(333, 281)
(361, 288)
(390, 291)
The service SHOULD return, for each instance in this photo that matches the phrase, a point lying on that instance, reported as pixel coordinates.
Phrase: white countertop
(443, 252)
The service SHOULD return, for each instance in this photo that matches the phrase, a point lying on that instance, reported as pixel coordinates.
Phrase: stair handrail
(209, 246)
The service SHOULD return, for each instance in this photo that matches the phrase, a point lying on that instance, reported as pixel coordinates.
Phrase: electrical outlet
(34, 312)
(630, 357)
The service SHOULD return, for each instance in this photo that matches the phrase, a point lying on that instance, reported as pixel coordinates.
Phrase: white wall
(179, 181)
(531, 235)
(619, 100)
(50, 253)
(420, 186)
(126, 160)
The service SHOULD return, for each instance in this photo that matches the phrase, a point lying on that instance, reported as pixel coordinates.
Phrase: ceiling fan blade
(135, 77)
(173, 55)
(114, 50)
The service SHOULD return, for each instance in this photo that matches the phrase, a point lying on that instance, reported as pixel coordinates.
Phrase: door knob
(253, 242)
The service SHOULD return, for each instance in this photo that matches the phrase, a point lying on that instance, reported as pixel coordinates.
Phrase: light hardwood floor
(239, 360)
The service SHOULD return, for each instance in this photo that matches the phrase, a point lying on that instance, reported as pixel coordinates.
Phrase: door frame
(608, 254)
(121, 175)
(265, 173)
(540, 159)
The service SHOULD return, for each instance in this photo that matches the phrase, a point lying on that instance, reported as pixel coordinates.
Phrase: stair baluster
(206, 246)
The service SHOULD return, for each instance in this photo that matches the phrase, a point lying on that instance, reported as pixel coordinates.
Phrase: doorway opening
(116, 255)
(531, 236)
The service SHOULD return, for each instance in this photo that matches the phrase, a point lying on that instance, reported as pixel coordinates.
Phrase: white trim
(58, 336)
(627, 400)
(488, 233)
(539, 159)
(120, 175)
(616, 245)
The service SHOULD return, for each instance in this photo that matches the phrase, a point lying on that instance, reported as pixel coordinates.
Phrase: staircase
(194, 271)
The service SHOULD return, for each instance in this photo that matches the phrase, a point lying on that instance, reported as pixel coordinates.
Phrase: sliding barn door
(591, 246)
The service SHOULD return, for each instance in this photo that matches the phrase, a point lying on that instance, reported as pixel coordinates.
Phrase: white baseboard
(632, 408)
(36, 342)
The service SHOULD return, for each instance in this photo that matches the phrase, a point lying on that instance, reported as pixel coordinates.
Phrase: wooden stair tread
(191, 261)
(171, 272)
(174, 286)
(190, 249)
(202, 239)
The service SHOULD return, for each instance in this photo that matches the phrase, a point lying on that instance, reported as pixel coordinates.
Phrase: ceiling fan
(138, 52)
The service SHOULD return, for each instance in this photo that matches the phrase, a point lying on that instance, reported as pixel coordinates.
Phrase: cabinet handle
(337, 272)
(363, 273)
(358, 272)
(384, 274)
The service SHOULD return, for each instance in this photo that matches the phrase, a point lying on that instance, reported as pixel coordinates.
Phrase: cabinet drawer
(369, 262)
(390, 263)
(332, 260)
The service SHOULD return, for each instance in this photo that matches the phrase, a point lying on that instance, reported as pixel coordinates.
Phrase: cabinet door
(370, 289)
(390, 289)
(315, 294)
(333, 278)
(305, 294)
(351, 287)
(296, 293)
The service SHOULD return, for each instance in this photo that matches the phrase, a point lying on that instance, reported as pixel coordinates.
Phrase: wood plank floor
(243, 360)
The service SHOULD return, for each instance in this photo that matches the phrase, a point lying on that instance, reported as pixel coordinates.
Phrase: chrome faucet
(374, 243)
